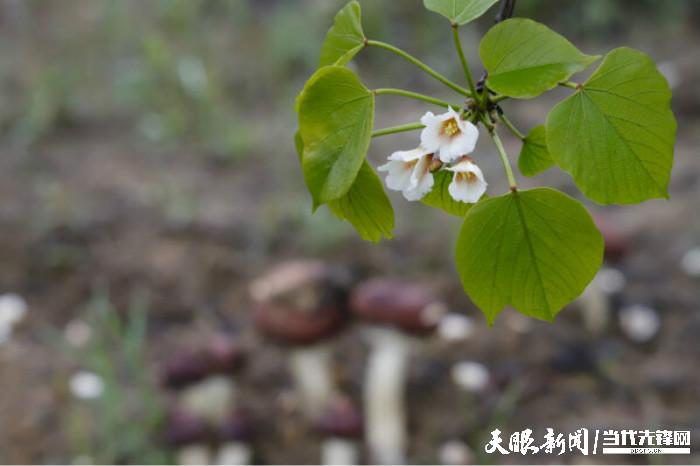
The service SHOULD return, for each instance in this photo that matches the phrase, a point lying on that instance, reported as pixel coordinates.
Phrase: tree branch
(505, 11)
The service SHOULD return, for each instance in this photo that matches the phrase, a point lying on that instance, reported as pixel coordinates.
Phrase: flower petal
(467, 188)
(428, 119)
(399, 175)
(423, 187)
(430, 137)
(466, 141)
(409, 155)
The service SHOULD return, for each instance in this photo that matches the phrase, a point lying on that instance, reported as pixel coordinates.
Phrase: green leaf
(336, 113)
(366, 206)
(459, 11)
(534, 156)
(299, 145)
(440, 198)
(616, 134)
(525, 58)
(345, 38)
(535, 250)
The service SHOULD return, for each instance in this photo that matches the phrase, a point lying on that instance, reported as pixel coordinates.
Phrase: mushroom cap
(408, 306)
(224, 355)
(220, 355)
(340, 419)
(183, 368)
(184, 428)
(300, 302)
(618, 238)
(238, 426)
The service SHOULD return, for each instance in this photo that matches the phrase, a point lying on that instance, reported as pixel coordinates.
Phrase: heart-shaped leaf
(534, 156)
(365, 205)
(459, 11)
(440, 198)
(525, 58)
(345, 38)
(336, 113)
(616, 134)
(535, 250)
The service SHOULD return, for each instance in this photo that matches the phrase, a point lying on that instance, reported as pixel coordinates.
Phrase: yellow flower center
(450, 127)
(466, 176)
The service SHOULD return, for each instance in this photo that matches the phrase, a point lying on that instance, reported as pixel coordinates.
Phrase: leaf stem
(502, 153)
(511, 127)
(420, 65)
(465, 63)
(415, 95)
(397, 129)
(570, 84)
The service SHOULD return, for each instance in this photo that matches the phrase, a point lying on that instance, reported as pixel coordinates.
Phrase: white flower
(409, 172)
(470, 376)
(448, 135)
(86, 385)
(12, 310)
(468, 184)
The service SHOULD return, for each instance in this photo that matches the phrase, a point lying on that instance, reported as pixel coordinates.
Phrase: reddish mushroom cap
(300, 302)
(408, 306)
(183, 368)
(617, 238)
(184, 428)
(238, 426)
(224, 355)
(340, 419)
(220, 355)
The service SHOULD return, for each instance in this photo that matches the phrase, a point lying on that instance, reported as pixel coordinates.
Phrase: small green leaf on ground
(535, 250)
(459, 11)
(345, 38)
(525, 58)
(616, 134)
(534, 156)
(336, 113)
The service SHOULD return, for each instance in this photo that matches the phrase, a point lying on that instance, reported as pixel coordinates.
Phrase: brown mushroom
(189, 435)
(397, 312)
(301, 304)
(235, 437)
(341, 425)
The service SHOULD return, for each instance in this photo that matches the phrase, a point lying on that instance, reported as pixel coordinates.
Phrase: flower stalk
(504, 159)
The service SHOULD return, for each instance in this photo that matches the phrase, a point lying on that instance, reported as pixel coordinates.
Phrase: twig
(505, 11)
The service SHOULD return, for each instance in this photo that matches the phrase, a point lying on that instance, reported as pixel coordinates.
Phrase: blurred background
(148, 177)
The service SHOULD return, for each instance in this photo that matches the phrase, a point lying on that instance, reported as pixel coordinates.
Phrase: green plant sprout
(536, 249)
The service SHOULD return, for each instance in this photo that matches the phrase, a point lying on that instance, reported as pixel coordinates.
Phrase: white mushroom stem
(385, 414)
(595, 308)
(312, 371)
(212, 398)
(595, 301)
(336, 450)
(193, 454)
(234, 453)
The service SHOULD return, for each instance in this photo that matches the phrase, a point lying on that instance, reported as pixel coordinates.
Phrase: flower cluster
(445, 143)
